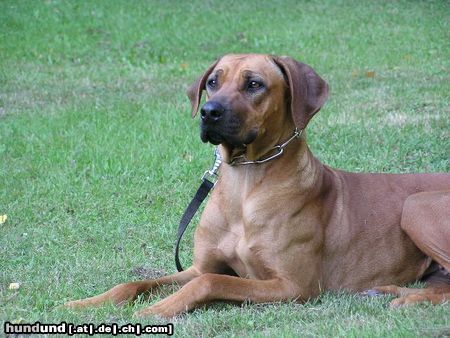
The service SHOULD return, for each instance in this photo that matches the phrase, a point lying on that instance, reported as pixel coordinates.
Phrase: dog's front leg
(125, 292)
(209, 287)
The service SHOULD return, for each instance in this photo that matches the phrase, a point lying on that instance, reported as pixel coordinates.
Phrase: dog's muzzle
(220, 124)
(211, 128)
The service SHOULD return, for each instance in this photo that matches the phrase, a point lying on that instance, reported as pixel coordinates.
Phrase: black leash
(192, 208)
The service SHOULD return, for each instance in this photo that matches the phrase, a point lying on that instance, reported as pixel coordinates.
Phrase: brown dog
(290, 227)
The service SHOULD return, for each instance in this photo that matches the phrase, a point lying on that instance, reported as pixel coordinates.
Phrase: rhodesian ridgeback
(280, 225)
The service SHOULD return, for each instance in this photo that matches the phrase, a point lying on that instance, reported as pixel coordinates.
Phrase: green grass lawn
(99, 156)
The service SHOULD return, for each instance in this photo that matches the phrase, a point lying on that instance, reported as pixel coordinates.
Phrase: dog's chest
(252, 219)
(247, 246)
(243, 257)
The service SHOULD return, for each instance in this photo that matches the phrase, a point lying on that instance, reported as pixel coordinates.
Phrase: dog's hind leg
(126, 292)
(426, 220)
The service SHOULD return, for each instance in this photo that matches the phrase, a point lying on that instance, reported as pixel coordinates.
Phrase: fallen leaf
(370, 73)
(14, 286)
(18, 321)
(3, 218)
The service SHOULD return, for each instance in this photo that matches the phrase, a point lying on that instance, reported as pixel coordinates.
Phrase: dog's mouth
(234, 145)
(231, 140)
(211, 137)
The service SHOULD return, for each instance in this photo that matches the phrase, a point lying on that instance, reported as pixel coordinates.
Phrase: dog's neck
(297, 165)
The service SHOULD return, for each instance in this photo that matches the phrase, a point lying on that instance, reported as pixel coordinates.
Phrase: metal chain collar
(241, 160)
(212, 174)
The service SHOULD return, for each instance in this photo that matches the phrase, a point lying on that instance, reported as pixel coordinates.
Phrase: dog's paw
(399, 302)
(86, 302)
(74, 304)
(166, 308)
(142, 313)
(151, 311)
(411, 300)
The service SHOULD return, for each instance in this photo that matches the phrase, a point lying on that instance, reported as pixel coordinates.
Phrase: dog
(280, 225)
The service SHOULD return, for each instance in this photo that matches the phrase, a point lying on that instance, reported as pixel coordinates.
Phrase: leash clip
(212, 174)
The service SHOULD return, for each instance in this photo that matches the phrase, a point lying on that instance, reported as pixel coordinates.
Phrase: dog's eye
(212, 83)
(254, 85)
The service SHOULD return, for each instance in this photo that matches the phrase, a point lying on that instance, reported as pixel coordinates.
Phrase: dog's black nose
(212, 112)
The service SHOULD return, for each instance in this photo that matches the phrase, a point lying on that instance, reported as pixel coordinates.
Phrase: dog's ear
(195, 90)
(308, 90)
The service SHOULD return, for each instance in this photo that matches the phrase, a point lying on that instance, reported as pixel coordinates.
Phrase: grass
(98, 155)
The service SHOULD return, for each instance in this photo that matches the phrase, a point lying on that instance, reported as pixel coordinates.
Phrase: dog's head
(255, 100)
